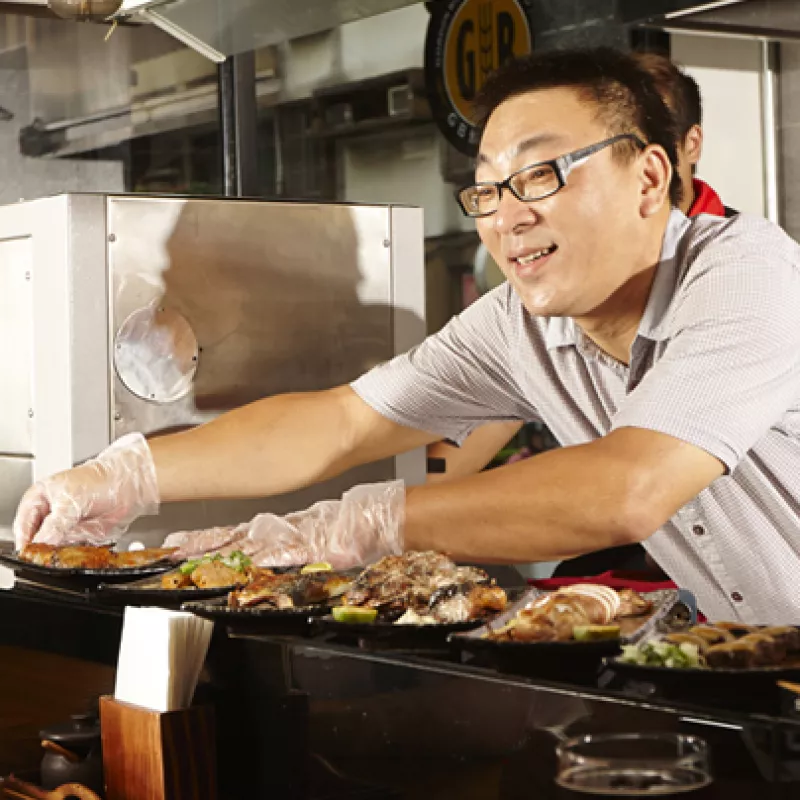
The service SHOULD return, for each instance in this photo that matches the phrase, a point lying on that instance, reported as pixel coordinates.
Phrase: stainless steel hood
(221, 28)
(769, 19)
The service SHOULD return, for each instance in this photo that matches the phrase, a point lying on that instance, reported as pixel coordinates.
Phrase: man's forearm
(269, 447)
(537, 510)
(561, 503)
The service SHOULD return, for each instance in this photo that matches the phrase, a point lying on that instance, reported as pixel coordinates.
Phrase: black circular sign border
(442, 14)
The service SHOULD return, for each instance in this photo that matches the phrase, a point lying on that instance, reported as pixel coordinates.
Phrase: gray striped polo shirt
(716, 363)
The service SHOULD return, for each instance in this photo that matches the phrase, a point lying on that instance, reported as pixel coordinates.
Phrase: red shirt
(706, 200)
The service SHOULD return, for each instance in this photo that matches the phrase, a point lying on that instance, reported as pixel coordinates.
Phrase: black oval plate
(149, 590)
(123, 573)
(258, 619)
(388, 632)
(711, 676)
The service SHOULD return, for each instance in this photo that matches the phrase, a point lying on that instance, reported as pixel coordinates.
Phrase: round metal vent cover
(155, 354)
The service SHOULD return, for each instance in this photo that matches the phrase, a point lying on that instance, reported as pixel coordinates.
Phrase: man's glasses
(533, 182)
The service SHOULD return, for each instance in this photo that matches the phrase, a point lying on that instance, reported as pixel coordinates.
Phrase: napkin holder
(154, 755)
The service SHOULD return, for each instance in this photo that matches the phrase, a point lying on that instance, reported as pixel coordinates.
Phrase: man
(664, 352)
(682, 95)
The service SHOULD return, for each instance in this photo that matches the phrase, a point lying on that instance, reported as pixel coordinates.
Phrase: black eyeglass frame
(562, 166)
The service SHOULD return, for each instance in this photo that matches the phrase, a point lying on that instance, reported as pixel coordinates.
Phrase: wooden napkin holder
(153, 755)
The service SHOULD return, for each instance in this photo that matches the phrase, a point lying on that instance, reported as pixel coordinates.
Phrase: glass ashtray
(633, 764)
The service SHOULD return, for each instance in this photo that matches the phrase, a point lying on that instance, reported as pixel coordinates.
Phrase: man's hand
(362, 527)
(93, 503)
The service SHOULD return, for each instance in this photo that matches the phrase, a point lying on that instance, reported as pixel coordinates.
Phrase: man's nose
(513, 214)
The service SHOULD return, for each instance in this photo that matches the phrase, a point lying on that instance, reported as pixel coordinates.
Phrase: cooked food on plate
(290, 590)
(210, 572)
(583, 611)
(87, 557)
(726, 645)
(421, 588)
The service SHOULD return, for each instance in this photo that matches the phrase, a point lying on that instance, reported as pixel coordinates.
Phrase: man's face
(568, 253)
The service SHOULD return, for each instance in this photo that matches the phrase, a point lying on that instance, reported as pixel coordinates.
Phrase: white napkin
(160, 657)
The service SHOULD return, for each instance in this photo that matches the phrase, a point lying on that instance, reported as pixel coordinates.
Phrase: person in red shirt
(446, 460)
(682, 95)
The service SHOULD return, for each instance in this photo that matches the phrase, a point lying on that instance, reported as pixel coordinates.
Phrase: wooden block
(150, 755)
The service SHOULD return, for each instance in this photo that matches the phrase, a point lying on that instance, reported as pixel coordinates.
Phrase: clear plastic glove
(362, 527)
(365, 525)
(93, 503)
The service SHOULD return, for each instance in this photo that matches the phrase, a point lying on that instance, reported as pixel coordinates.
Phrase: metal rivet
(386, 242)
(698, 530)
(30, 413)
(27, 276)
(112, 237)
(117, 416)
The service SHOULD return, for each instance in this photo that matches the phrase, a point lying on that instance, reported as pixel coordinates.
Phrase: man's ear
(693, 144)
(655, 177)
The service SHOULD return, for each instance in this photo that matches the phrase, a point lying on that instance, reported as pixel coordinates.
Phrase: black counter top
(313, 718)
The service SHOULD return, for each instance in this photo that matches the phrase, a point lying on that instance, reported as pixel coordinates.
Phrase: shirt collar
(653, 323)
(563, 331)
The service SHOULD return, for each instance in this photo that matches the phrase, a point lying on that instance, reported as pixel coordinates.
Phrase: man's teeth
(527, 259)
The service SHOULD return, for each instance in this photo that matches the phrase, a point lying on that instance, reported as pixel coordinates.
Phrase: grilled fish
(89, 557)
(289, 590)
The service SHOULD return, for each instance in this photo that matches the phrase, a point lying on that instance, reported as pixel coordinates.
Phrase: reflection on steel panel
(281, 297)
(16, 475)
(16, 346)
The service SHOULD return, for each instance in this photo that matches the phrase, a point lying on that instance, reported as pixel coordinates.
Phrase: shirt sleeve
(731, 368)
(457, 379)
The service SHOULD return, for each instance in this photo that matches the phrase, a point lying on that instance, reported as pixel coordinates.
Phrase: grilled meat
(176, 580)
(786, 634)
(88, 557)
(215, 574)
(289, 590)
(84, 558)
(555, 615)
(732, 655)
(41, 554)
(632, 604)
(428, 584)
(736, 628)
(712, 634)
(140, 558)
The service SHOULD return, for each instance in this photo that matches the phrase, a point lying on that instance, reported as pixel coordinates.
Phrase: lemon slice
(320, 566)
(593, 633)
(354, 614)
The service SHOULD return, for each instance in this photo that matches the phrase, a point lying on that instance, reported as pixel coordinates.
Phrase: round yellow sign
(482, 35)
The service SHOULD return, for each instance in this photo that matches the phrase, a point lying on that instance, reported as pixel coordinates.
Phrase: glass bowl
(633, 764)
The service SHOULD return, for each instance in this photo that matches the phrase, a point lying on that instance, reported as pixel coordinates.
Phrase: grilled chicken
(555, 615)
(215, 574)
(176, 580)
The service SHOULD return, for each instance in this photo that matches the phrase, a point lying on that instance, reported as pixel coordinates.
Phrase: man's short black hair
(625, 95)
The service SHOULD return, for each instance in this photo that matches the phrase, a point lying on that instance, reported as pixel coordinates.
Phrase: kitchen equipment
(124, 313)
